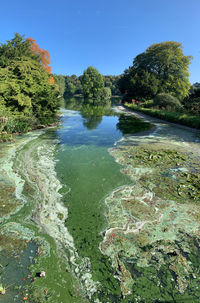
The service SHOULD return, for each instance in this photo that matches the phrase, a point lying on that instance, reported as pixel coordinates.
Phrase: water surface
(80, 203)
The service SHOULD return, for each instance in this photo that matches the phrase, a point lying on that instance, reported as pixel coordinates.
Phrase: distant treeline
(72, 85)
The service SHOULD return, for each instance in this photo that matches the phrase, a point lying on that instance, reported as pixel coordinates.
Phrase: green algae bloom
(154, 224)
(117, 226)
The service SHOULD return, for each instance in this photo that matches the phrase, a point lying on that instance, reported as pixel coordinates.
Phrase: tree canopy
(162, 68)
(92, 84)
(112, 82)
(42, 55)
(26, 87)
(72, 86)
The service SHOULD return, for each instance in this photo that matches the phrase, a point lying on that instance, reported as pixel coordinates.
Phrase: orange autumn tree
(43, 57)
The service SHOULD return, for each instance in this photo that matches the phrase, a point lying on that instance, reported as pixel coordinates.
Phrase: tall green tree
(92, 84)
(25, 87)
(60, 82)
(15, 49)
(162, 68)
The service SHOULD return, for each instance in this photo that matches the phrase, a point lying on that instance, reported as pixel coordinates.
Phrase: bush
(176, 117)
(167, 101)
(148, 104)
(19, 125)
(192, 105)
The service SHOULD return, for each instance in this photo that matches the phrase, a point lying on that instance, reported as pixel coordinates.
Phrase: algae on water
(149, 250)
(154, 229)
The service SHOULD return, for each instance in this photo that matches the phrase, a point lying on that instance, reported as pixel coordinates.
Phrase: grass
(176, 117)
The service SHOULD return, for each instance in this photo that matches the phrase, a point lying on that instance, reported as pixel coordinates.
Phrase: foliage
(112, 83)
(192, 105)
(162, 68)
(14, 49)
(72, 86)
(167, 101)
(26, 88)
(28, 97)
(92, 84)
(139, 84)
(195, 90)
(148, 104)
(192, 102)
(60, 81)
(42, 55)
(105, 94)
(176, 117)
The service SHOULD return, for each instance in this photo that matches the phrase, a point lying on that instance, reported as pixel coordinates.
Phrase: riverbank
(176, 117)
(15, 130)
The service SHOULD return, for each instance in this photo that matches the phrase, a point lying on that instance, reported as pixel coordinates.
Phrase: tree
(139, 85)
(25, 86)
(92, 84)
(14, 49)
(72, 86)
(112, 82)
(162, 68)
(106, 93)
(192, 102)
(42, 55)
(60, 81)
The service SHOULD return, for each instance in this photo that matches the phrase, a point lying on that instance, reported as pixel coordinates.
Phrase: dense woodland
(30, 94)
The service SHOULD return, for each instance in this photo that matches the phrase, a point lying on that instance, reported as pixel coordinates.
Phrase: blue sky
(106, 34)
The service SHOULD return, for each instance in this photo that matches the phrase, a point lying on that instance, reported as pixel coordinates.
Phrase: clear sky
(106, 34)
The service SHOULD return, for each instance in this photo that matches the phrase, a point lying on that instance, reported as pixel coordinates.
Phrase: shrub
(192, 105)
(19, 125)
(167, 101)
(147, 104)
(177, 117)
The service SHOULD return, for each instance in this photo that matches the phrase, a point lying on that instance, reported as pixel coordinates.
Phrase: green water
(91, 174)
(91, 203)
(53, 189)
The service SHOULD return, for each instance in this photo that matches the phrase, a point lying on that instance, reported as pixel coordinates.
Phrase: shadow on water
(131, 125)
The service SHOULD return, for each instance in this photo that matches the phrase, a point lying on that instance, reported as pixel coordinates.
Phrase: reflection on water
(130, 125)
(98, 125)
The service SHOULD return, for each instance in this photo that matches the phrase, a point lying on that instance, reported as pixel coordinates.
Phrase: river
(107, 205)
